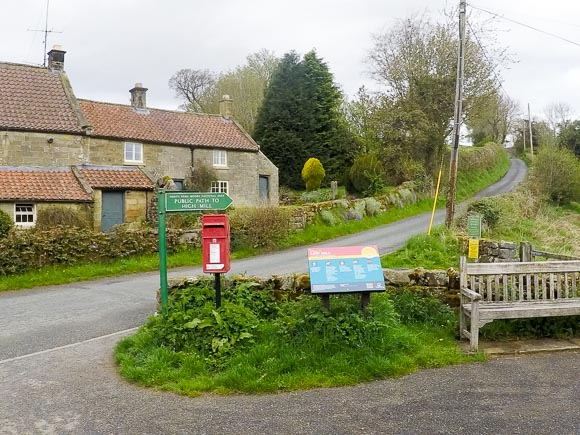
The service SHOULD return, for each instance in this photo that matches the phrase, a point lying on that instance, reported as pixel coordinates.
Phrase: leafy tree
(556, 175)
(416, 62)
(569, 137)
(246, 86)
(313, 173)
(492, 119)
(301, 116)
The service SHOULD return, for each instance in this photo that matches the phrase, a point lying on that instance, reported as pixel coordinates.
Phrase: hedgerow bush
(259, 227)
(312, 174)
(556, 175)
(57, 215)
(6, 223)
(26, 250)
(366, 175)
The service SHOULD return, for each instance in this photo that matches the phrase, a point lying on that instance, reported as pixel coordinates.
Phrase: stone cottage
(114, 152)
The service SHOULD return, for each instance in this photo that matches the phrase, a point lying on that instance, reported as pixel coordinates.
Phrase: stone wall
(491, 251)
(398, 197)
(440, 283)
(242, 174)
(8, 206)
(62, 150)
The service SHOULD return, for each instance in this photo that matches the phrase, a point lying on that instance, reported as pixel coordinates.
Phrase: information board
(345, 270)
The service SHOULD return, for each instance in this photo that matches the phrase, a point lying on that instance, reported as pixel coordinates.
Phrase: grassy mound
(259, 341)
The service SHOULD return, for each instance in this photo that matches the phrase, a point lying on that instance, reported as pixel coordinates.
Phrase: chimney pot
(139, 96)
(226, 106)
(56, 58)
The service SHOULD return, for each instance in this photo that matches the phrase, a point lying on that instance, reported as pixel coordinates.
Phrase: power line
(503, 17)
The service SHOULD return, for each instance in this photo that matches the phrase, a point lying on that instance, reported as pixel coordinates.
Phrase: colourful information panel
(346, 269)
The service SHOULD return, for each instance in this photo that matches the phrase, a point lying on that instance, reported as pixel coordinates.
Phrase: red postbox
(215, 239)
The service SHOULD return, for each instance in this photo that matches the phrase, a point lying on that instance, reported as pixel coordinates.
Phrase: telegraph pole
(458, 116)
(531, 137)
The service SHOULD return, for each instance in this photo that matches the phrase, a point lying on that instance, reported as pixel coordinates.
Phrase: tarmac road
(57, 374)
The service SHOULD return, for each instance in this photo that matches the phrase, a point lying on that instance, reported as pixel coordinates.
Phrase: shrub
(22, 251)
(352, 215)
(259, 227)
(312, 174)
(329, 218)
(315, 196)
(556, 175)
(57, 215)
(6, 223)
(372, 206)
(201, 178)
(305, 320)
(194, 325)
(366, 175)
(183, 221)
(489, 209)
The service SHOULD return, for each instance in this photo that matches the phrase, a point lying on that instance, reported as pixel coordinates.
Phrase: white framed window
(24, 215)
(220, 158)
(219, 186)
(133, 152)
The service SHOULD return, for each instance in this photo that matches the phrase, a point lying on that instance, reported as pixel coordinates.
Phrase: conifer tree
(300, 117)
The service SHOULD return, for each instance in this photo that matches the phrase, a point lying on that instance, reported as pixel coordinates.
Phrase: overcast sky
(112, 44)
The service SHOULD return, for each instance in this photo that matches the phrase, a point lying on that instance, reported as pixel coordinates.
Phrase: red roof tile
(40, 184)
(165, 126)
(108, 177)
(34, 98)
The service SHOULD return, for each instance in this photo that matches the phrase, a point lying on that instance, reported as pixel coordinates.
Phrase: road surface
(57, 373)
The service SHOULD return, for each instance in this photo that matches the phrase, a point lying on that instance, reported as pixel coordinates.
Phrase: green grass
(439, 250)
(319, 352)
(318, 232)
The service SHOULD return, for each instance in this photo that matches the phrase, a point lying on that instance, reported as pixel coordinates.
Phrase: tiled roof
(115, 177)
(34, 98)
(165, 126)
(40, 184)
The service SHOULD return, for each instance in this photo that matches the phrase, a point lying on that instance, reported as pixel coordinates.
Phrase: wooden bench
(491, 291)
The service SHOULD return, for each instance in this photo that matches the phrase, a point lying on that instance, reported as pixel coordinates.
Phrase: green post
(162, 248)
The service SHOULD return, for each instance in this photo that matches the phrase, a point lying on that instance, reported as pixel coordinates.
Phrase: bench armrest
(470, 294)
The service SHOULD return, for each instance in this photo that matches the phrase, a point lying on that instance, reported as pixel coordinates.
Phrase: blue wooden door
(113, 209)
(264, 184)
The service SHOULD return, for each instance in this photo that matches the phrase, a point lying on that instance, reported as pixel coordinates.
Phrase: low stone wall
(399, 197)
(491, 251)
(441, 283)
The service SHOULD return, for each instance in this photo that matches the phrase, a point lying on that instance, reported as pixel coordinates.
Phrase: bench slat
(525, 267)
(492, 311)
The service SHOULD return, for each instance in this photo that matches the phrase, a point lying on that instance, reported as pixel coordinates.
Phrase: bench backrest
(521, 282)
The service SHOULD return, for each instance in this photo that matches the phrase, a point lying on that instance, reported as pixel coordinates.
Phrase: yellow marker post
(434, 202)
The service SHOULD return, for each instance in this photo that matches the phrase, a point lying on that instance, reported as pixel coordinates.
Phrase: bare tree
(194, 86)
(558, 116)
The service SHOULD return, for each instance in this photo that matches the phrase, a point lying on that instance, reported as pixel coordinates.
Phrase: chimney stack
(138, 96)
(56, 58)
(226, 106)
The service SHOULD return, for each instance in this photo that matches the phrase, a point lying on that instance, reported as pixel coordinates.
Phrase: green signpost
(196, 201)
(474, 226)
(182, 201)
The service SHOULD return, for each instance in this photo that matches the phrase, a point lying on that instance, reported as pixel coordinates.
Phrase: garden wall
(399, 197)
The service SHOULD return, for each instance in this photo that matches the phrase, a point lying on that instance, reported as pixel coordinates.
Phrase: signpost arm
(162, 249)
